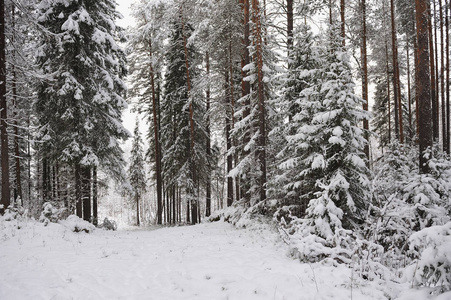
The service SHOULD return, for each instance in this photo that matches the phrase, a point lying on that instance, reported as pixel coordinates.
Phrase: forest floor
(206, 261)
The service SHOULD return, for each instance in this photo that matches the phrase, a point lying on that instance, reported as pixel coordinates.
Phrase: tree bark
(157, 150)
(229, 162)
(245, 87)
(18, 184)
(432, 74)
(442, 78)
(137, 207)
(85, 173)
(387, 68)
(261, 150)
(78, 198)
(437, 88)
(424, 82)
(447, 77)
(6, 194)
(95, 218)
(409, 94)
(396, 79)
(208, 145)
(290, 26)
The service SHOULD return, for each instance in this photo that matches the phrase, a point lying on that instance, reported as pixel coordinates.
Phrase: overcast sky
(124, 8)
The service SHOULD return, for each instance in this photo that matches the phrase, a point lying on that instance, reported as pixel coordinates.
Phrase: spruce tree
(79, 105)
(136, 170)
(288, 183)
(179, 156)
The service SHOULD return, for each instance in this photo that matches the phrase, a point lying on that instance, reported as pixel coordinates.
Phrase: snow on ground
(206, 261)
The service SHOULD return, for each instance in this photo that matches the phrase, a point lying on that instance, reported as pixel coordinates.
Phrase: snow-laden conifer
(136, 170)
(80, 102)
(334, 178)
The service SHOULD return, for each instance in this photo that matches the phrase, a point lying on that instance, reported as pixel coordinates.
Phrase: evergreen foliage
(79, 105)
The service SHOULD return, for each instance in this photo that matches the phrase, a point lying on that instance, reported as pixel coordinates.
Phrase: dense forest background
(253, 109)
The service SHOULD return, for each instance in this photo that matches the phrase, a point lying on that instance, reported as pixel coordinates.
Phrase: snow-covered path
(206, 261)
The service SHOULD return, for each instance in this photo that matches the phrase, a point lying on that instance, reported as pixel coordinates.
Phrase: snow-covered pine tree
(136, 169)
(80, 102)
(251, 129)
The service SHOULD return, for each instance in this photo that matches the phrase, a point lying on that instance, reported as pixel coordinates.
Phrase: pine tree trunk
(18, 183)
(191, 123)
(85, 173)
(423, 84)
(6, 194)
(290, 26)
(137, 208)
(437, 87)
(388, 92)
(95, 218)
(246, 87)
(228, 143)
(432, 73)
(396, 78)
(45, 181)
(447, 77)
(261, 150)
(78, 197)
(208, 146)
(157, 150)
(442, 78)
(409, 94)
(232, 108)
(365, 79)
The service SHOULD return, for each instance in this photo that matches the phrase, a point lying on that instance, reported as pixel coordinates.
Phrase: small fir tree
(136, 170)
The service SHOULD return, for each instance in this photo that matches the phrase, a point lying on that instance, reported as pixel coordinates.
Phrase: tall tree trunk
(261, 150)
(228, 121)
(437, 87)
(6, 194)
(447, 77)
(78, 197)
(423, 84)
(432, 73)
(409, 94)
(85, 173)
(245, 87)
(387, 68)
(442, 78)
(396, 77)
(95, 218)
(208, 146)
(18, 183)
(232, 107)
(363, 50)
(137, 208)
(45, 181)
(157, 150)
(191, 123)
(290, 26)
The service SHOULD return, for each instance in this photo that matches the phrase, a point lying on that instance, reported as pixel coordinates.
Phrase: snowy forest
(326, 120)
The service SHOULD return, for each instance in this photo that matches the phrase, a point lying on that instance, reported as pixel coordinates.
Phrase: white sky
(123, 6)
